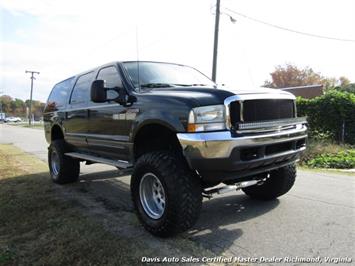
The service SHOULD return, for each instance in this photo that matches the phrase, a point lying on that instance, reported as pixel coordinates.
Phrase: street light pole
(215, 46)
(32, 78)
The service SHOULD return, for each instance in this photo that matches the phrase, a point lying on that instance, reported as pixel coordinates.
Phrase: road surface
(316, 218)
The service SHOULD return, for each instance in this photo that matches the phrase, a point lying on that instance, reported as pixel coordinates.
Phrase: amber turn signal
(191, 127)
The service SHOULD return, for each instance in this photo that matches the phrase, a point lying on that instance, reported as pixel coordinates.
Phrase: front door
(108, 124)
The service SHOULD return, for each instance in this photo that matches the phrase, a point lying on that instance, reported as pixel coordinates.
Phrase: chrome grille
(259, 110)
(273, 125)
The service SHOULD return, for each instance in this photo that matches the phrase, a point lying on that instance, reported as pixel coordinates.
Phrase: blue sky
(62, 38)
(14, 25)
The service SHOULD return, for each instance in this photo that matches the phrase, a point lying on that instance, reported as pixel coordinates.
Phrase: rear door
(108, 124)
(54, 111)
(76, 122)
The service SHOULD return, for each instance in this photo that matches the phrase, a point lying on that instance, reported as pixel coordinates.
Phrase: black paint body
(109, 129)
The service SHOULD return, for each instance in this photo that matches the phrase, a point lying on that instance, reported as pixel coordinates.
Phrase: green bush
(324, 154)
(317, 148)
(348, 88)
(328, 114)
(341, 160)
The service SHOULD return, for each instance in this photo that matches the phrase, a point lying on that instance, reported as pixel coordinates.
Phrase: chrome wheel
(55, 164)
(152, 196)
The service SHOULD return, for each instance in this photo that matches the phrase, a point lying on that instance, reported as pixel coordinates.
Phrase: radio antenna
(137, 48)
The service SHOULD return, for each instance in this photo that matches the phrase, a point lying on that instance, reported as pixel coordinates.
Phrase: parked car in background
(2, 117)
(13, 119)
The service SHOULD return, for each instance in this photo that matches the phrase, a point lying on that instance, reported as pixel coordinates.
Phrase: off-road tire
(183, 193)
(68, 168)
(279, 183)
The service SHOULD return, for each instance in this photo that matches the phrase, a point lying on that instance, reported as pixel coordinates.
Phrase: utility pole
(215, 46)
(32, 78)
(1, 104)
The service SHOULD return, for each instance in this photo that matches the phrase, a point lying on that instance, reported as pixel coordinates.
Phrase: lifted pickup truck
(184, 138)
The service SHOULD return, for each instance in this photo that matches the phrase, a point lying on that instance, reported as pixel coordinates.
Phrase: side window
(59, 95)
(81, 91)
(112, 79)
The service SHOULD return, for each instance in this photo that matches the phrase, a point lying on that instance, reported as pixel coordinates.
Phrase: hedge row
(342, 160)
(331, 115)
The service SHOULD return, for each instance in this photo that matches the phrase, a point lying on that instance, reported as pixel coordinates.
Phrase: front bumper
(223, 156)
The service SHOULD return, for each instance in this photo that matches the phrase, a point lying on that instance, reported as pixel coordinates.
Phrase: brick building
(307, 92)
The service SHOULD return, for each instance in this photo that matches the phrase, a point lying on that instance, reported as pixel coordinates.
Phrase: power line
(288, 29)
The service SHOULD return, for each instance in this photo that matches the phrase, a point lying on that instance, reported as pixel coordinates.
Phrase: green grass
(40, 126)
(44, 224)
(38, 228)
(36, 126)
(331, 171)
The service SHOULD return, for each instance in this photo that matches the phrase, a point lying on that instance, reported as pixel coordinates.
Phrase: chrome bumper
(223, 152)
(221, 144)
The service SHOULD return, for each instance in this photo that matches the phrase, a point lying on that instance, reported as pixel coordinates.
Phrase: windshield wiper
(168, 85)
(156, 85)
(197, 84)
(189, 85)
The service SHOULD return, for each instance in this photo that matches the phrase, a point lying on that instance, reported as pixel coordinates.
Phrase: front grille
(279, 147)
(253, 153)
(261, 110)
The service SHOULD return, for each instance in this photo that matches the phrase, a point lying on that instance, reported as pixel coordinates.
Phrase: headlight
(207, 118)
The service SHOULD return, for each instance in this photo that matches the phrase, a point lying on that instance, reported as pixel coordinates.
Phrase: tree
(344, 81)
(17, 107)
(6, 103)
(292, 76)
(37, 108)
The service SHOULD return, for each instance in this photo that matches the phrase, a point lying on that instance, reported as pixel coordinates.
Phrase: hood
(202, 96)
(259, 90)
(198, 96)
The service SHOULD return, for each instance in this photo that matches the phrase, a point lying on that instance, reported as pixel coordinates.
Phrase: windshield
(153, 74)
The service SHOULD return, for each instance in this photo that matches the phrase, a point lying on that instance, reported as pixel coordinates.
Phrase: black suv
(182, 136)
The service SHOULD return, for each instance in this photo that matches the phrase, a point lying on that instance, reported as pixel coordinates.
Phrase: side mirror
(98, 91)
(99, 94)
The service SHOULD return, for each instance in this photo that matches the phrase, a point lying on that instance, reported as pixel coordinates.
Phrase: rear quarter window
(59, 95)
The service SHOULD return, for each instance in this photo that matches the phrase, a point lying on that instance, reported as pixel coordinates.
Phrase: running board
(87, 157)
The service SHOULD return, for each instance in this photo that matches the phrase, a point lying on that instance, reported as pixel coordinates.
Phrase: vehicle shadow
(111, 187)
(101, 172)
(217, 228)
(28, 191)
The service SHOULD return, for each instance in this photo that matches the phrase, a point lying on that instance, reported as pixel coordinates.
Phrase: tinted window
(154, 72)
(59, 95)
(112, 79)
(81, 91)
